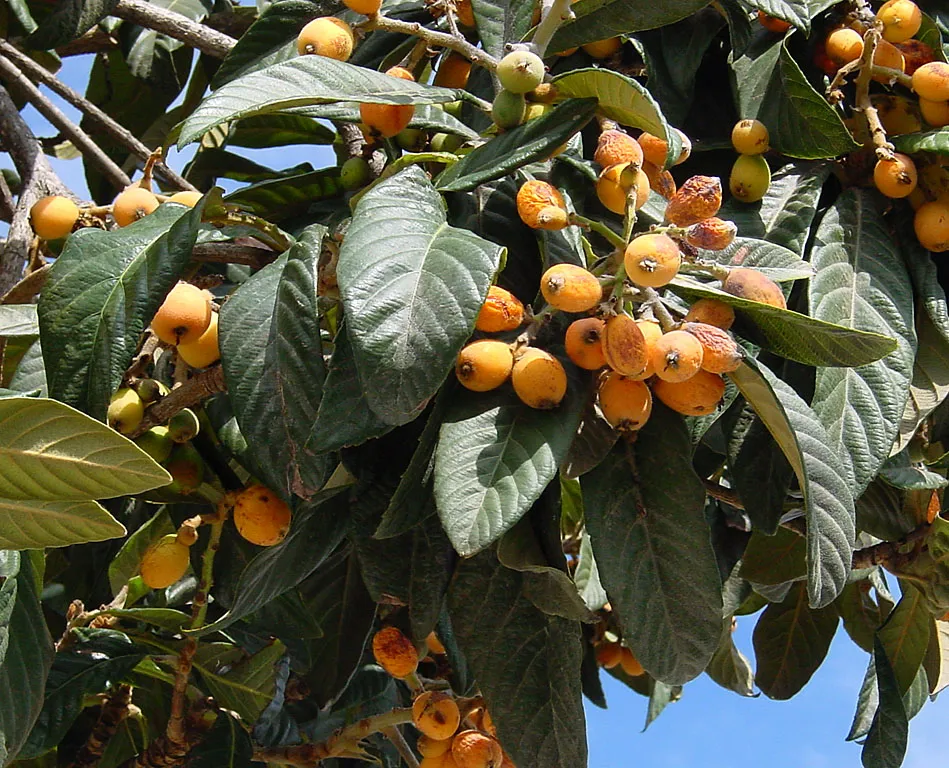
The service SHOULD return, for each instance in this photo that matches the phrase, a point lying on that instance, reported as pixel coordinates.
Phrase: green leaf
(278, 130)
(777, 262)
(660, 696)
(150, 52)
(494, 458)
(880, 512)
(772, 88)
(300, 82)
(886, 742)
(18, 320)
(587, 577)
(729, 668)
(242, 683)
(784, 215)
(86, 665)
(792, 335)
(288, 196)
(935, 141)
(527, 664)
(775, 559)
(126, 563)
(861, 615)
(900, 472)
(52, 452)
(599, 19)
(102, 292)
(527, 143)
(828, 503)
(791, 640)
(502, 21)
(645, 509)
(621, 99)
(905, 636)
(937, 657)
(70, 19)
(26, 653)
(166, 618)
(30, 373)
(429, 117)
(34, 524)
(796, 12)
(226, 745)
(861, 282)
(273, 366)
(412, 286)
(930, 383)
(317, 529)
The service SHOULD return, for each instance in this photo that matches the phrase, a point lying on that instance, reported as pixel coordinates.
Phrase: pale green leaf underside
(41, 524)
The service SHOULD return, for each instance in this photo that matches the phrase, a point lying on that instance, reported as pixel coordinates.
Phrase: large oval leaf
(777, 262)
(103, 290)
(412, 286)
(300, 82)
(936, 141)
(886, 741)
(862, 282)
(52, 452)
(828, 501)
(905, 636)
(18, 320)
(502, 21)
(645, 509)
(41, 524)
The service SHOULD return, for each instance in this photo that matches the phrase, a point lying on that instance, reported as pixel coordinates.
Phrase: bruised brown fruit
(534, 198)
(660, 181)
(394, 652)
(720, 352)
(712, 234)
(436, 715)
(713, 312)
(624, 346)
(473, 749)
(501, 311)
(753, 285)
(616, 147)
(697, 199)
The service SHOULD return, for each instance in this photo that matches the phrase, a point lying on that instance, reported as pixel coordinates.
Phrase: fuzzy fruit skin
(654, 149)
(187, 197)
(520, 71)
(660, 181)
(204, 350)
(261, 517)
(355, 173)
(186, 468)
(895, 178)
(453, 71)
(720, 352)
(365, 7)
(164, 563)
(539, 379)
(608, 654)
(844, 45)
(915, 54)
(625, 347)
(436, 715)
(501, 311)
(570, 288)
(931, 223)
(132, 204)
(614, 183)
(750, 137)
(750, 178)
(184, 315)
(889, 56)
(394, 652)
(697, 199)
(753, 285)
(602, 49)
(126, 411)
(626, 403)
(712, 234)
(616, 147)
(473, 749)
(652, 332)
(583, 342)
(652, 260)
(508, 110)
(698, 396)
(677, 356)
(183, 426)
(712, 312)
(772, 24)
(630, 664)
(936, 113)
(327, 36)
(533, 197)
(429, 747)
(444, 760)
(53, 217)
(484, 365)
(156, 443)
(901, 20)
(931, 81)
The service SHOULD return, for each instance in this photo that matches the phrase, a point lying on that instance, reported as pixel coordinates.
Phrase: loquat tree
(596, 329)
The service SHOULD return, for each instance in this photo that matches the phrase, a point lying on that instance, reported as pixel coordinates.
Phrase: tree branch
(99, 118)
(94, 41)
(199, 36)
(887, 551)
(233, 253)
(51, 112)
(193, 392)
(114, 710)
(442, 39)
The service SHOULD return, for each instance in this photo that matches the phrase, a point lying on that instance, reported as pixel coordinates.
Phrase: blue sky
(709, 727)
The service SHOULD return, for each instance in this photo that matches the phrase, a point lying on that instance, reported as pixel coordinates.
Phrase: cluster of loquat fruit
(453, 733)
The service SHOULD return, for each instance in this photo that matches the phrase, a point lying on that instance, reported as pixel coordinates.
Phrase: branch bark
(114, 710)
(194, 391)
(199, 36)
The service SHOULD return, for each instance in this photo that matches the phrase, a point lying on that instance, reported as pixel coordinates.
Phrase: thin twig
(654, 300)
(443, 39)
(558, 12)
(862, 103)
(193, 392)
(393, 734)
(179, 27)
(7, 204)
(82, 141)
(114, 710)
(99, 118)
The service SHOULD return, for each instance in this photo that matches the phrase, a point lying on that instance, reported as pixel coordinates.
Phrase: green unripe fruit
(150, 390)
(410, 139)
(126, 411)
(453, 108)
(750, 178)
(183, 426)
(355, 173)
(520, 71)
(508, 109)
(156, 443)
(186, 468)
(536, 110)
(445, 142)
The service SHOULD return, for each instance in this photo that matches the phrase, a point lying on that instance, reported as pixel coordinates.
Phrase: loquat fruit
(931, 223)
(712, 312)
(394, 652)
(915, 54)
(365, 7)
(436, 715)
(126, 411)
(615, 147)
(755, 286)
(429, 747)
(388, 119)
(53, 217)
(720, 352)
(184, 426)
(156, 443)
(261, 517)
(509, 109)
(625, 403)
(898, 115)
(501, 311)
(608, 654)
(545, 93)
(187, 535)
(660, 181)
(750, 178)
(931, 81)
(132, 204)
(655, 148)
(603, 49)
(327, 36)
(712, 234)
(901, 20)
(897, 177)
(355, 173)
(583, 343)
(677, 356)
(534, 199)
(484, 365)
(186, 468)
(473, 749)
(539, 379)
(772, 24)
(935, 113)
(652, 260)
(624, 346)
(750, 137)
(520, 71)
(570, 288)
(697, 396)
(889, 56)
(184, 315)
(186, 197)
(453, 71)
(696, 200)
(615, 183)
(465, 12)
(164, 563)
(844, 45)
(630, 664)
(651, 331)
(204, 350)
(434, 644)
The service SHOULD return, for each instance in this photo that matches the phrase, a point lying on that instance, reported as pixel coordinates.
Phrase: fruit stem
(894, 74)
(884, 150)
(199, 605)
(599, 227)
(654, 302)
(556, 14)
(432, 37)
(629, 220)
